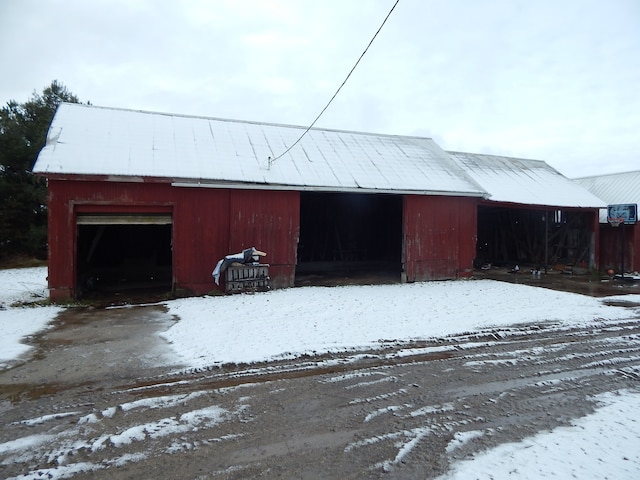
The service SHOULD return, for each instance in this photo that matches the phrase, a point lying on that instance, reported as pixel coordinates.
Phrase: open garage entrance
(349, 238)
(124, 253)
(531, 238)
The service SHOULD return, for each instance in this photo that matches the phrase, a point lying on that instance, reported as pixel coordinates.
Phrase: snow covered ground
(290, 322)
(603, 445)
(18, 286)
(286, 323)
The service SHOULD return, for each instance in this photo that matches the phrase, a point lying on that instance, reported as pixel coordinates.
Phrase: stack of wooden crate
(247, 278)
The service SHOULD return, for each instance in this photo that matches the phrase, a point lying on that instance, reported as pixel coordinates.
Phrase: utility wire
(271, 160)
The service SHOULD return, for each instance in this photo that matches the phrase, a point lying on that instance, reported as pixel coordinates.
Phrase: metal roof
(528, 182)
(615, 188)
(86, 140)
(197, 151)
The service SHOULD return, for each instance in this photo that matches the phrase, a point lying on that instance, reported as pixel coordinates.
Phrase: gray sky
(554, 80)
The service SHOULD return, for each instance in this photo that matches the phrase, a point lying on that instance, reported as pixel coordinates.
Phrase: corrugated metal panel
(616, 188)
(87, 140)
(527, 182)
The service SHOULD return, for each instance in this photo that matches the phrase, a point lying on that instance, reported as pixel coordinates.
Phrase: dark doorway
(115, 258)
(348, 235)
(509, 236)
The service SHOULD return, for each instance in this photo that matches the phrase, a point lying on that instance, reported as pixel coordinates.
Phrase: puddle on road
(622, 303)
(17, 392)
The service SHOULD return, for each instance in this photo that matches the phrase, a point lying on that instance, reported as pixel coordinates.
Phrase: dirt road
(102, 396)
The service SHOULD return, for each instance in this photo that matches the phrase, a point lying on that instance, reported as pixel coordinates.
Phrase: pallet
(247, 278)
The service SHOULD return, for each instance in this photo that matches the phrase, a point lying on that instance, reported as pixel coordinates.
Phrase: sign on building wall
(626, 211)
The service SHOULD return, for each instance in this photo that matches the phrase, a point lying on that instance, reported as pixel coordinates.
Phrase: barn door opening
(124, 253)
(535, 239)
(349, 238)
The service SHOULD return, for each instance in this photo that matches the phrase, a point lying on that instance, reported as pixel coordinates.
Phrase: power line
(271, 160)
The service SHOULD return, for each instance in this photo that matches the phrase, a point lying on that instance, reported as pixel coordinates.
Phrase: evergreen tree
(23, 196)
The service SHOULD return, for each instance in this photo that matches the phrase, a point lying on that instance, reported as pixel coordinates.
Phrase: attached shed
(532, 214)
(149, 199)
(617, 189)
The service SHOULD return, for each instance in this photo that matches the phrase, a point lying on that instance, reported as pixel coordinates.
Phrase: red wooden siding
(61, 243)
(439, 237)
(269, 221)
(594, 253)
(611, 247)
(200, 236)
(439, 232)
(68, 198)
(207, 225)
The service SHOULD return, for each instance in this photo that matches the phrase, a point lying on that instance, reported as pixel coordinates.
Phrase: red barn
(148, 199)
(138, 198)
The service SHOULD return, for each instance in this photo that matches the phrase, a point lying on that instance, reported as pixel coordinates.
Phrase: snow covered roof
(528, 182)
(615, 188)
(118, 143)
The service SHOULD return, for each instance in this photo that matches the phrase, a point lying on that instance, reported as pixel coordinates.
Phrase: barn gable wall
(207, 225)
(439, 237)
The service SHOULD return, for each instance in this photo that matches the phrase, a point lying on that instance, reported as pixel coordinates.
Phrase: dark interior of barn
(117, 258)
(349, 238)
(536, 238)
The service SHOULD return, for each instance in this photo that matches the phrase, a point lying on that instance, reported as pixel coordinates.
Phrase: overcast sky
(554, 80)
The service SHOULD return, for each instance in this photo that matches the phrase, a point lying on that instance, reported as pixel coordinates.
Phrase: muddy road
(103, 398)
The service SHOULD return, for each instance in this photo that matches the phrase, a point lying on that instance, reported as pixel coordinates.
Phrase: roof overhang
(317, 188)
(191, 183)
(492, 203)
